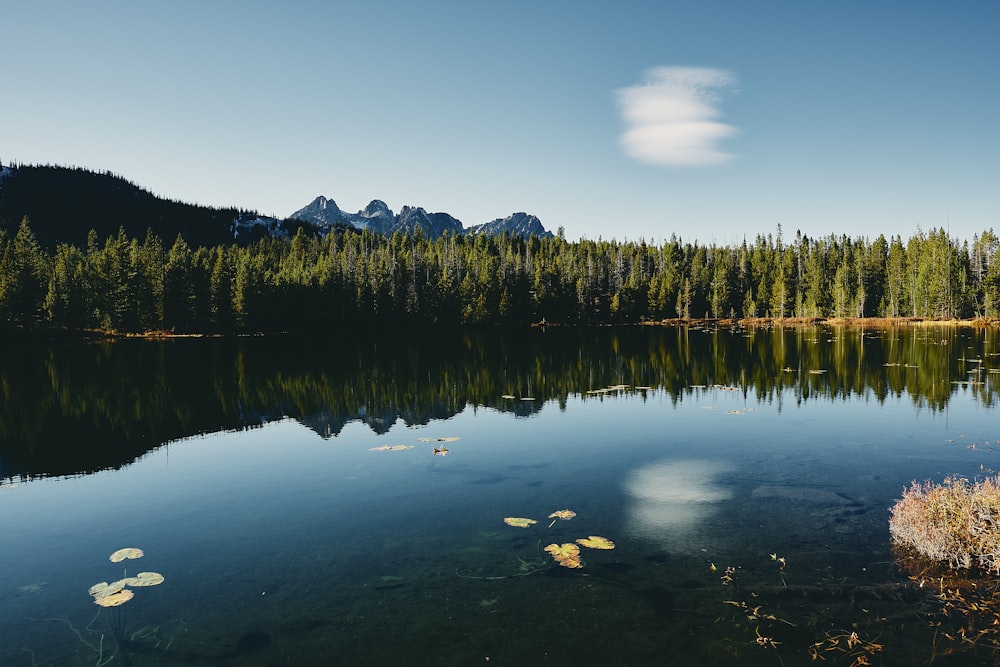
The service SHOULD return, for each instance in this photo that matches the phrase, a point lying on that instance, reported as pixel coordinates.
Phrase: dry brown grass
(956, 523)
(875, 322)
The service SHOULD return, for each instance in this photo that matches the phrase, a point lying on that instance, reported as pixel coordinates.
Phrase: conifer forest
(357, 278)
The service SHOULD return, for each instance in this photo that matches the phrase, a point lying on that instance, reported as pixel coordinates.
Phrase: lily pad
(596, 542)
(565, 515)
(391, 448)
(144, 579)
(567, 555)
(519, 522)
(115, 600)
(105, 589)
(122, 554)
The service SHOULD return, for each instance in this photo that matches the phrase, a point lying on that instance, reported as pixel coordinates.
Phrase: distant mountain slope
(517, 224)
(63, 204)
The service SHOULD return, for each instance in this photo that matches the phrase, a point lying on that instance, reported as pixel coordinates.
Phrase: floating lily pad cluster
(568, 553)
(116, 594)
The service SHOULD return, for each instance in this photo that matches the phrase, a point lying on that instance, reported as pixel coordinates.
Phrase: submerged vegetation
(349, 278)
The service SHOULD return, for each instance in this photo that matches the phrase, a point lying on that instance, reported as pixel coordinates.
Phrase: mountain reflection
(74, 407)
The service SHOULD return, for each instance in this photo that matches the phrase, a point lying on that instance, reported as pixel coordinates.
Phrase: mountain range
(63, 204)
(378, 217)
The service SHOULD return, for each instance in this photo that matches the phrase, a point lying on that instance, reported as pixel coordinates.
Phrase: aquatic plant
(566, 554)
(956, 523)
(114, 595)
(596, 542)
(126, 553)
(518, 521)
(564, 515)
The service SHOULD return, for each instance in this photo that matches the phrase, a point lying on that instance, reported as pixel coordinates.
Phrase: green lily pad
(105, 589)
(144, 579)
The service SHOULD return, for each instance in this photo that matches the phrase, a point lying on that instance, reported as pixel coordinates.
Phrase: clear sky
(707, 119)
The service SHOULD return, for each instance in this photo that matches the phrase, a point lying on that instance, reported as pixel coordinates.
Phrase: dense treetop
(347, 278)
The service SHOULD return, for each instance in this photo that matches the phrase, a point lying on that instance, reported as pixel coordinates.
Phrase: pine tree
(24, 278)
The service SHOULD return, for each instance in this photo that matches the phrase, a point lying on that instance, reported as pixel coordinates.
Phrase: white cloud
(669, 117)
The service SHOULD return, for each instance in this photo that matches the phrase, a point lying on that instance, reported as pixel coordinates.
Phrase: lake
(340, 499)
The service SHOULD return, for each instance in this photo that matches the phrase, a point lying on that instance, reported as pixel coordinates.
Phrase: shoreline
(872, 322)
(754, 322)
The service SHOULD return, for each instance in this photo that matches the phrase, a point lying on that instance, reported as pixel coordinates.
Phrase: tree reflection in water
(74, 407)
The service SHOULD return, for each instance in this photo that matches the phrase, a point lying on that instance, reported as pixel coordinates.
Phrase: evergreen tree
(23, 278)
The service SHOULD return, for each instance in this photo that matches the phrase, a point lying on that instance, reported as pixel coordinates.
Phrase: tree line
(348, 278)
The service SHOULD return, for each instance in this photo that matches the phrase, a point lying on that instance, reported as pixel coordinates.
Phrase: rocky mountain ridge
(378, 217)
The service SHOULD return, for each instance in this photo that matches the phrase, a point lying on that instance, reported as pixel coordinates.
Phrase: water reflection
(670, 499)
(71, 407)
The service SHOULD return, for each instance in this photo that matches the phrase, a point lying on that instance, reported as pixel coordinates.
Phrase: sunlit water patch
(672, 501)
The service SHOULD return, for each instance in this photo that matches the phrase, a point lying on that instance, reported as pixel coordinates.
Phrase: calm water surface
(245, 471)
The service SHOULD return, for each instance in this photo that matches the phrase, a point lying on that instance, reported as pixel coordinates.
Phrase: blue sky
(707, 119)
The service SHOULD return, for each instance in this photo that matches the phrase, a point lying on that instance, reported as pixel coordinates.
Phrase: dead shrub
(956, 523)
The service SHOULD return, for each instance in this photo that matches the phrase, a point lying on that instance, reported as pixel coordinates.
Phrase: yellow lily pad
(115, 600)
(567, 555)
(144, 579)
(596, 542)
(518, 522)
(122, 554)
(565, 515)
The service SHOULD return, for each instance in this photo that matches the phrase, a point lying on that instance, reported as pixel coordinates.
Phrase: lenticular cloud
(669, 116)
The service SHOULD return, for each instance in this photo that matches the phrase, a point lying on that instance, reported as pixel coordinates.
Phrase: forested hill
(63, 204)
